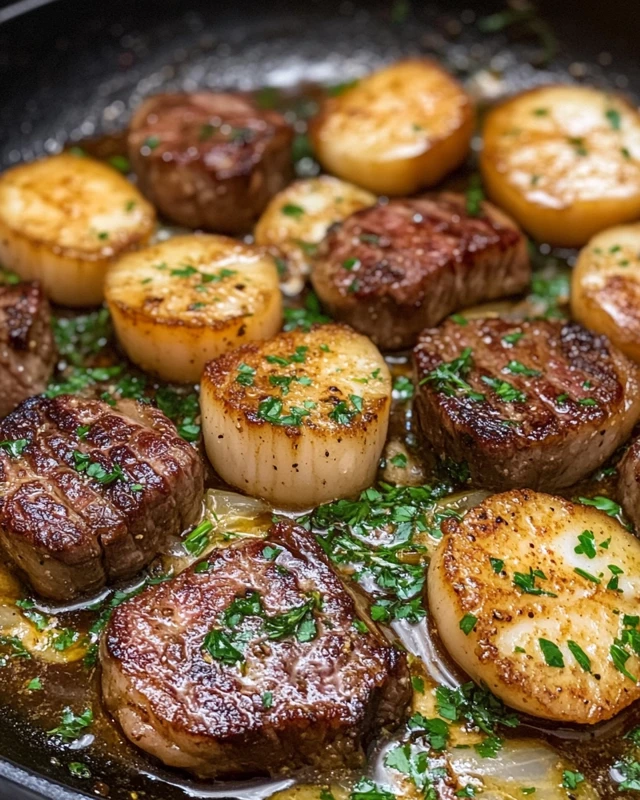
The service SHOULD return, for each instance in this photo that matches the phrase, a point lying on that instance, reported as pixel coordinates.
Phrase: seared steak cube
(210, 160)
(91, 492)
(27, 348)
(629, 483)
(253, 662)
(538, 404)
(392, 270)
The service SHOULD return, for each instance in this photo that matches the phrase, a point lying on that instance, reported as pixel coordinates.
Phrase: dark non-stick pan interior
(70, 70)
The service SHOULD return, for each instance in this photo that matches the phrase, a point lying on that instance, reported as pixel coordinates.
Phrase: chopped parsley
(517, 368)
(474, 196)
(403, 388)
(504, 390)
(497, 565)
(468, 623)
(393, 569)
(449, 377)
(299, 357)
(476, 705)
(489, 747)
(614, 118)
(72, 726)
(246, 375)
(602, 504)
(629, 770)
(310, 314)
(587, 544)
(571, 780)
(399, 460)
(196, 542)
(271, 410)
(366, 789)
(291, 210)
(526, 582)
(343, 414)
(79, 770)
(580, 656)
(121, 163)
(14, 447)
(219, 646)
(551, 653)
(95, 470)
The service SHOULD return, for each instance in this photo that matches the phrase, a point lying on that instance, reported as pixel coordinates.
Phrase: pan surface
(72, 70)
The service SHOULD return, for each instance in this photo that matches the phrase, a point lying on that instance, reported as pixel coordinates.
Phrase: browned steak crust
(91, 492)
(538, 405)
(210, 160)
(629, 483)
(310, 697)
(27, 348)
(394, 269)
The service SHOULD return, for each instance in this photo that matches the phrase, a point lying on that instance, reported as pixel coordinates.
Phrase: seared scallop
(297, 218)
(64, 219)
(300, 419)
(394, 269)
(605, 287)
(180, 303)
(397, 130)
(564, 161)
(90, 492)
(252, 662)
(210, 160)
(537, 598)
(538, 404)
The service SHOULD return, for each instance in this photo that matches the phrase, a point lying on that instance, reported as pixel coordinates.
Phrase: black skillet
(72, 69)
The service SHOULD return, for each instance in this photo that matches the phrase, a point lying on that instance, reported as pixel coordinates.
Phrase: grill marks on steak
(542, 431)
(290, 703)
(27, 348)
(70, 533)
(210, 160)
(394, 269)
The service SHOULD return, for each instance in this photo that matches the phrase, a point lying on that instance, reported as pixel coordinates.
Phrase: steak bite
(629, 483)
(252, 662)
(27, 348)
(210, 160)
(538, 404)
(90, 492)
(392, 270)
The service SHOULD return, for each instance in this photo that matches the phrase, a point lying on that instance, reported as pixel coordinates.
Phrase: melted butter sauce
(118, 770)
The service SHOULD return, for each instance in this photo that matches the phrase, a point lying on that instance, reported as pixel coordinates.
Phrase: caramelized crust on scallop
(301, 697)
(394, 269)
(538, 404)
(64, 219)
(300, 419)
(531, 595)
